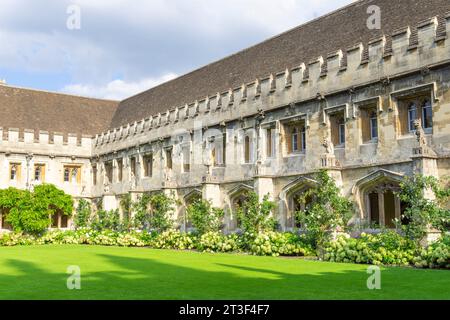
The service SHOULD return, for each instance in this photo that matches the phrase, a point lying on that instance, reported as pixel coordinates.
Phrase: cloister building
(370, 105)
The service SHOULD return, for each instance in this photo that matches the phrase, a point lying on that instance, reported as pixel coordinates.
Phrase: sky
(113, 49)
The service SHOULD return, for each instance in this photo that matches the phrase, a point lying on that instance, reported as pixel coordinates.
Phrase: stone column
(110, 202)
(263, 187)
(425, 163)
(211, 192)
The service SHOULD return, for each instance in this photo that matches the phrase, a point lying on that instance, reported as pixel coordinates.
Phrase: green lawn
(139, 273)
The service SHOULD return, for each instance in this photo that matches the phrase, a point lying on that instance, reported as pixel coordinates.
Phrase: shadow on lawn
(152, 279)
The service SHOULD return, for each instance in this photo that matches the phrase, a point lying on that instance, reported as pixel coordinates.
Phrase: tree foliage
(107, 220)
(255, 216)
(325, 210)
(162, 208)
(422, 213)
(83, 214)
(142, 212)
(31, 211)
(204, 217)
(126, 205)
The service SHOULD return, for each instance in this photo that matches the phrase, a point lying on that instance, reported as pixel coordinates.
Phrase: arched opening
(189, 199)
(379, 203)
(59, 220)
(300, 202)
(239, 203)
(5, 225)
(293, 200)
(238, 197)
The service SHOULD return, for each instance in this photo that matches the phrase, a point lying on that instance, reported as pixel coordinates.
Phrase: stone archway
(188, 199)
(289, 203)
(376, 198)
(237, 196)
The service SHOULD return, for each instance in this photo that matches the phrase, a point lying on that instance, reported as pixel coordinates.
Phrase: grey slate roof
(337, 30)
(53, 112)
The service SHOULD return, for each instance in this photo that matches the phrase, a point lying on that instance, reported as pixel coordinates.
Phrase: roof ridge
(279, 35)
(55, 92)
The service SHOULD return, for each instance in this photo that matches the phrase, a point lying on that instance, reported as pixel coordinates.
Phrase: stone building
(370, 105)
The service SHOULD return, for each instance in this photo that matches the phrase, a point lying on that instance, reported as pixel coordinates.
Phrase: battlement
(407, 50)
(12, 140)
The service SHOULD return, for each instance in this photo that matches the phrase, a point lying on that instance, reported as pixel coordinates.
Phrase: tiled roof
(337, 30)
(53, 112)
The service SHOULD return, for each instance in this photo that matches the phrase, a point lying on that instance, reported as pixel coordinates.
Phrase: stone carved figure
(133, 181)
(106, 184)
(420, 134)
(328, 145)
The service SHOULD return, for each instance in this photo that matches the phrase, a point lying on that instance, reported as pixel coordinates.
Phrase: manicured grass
(39, 272)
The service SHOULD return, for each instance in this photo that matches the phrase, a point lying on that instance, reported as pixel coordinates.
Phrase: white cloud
(135, 40)
(116, 89)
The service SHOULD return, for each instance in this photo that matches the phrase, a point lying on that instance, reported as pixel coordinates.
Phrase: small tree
(106, 220)
(422, 213)
(162, 208)
(204, 217)
(83, 214)
(142, 213)
(325, 212)
(126, 205)
(31, 211)
(255, 216)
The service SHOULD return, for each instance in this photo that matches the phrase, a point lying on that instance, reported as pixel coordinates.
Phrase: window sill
(295, 155)
(370, 142)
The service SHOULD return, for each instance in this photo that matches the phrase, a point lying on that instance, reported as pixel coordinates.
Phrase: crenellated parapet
(29, 141)
(408, 50)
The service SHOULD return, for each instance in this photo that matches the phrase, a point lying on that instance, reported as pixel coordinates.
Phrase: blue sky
(124, 47)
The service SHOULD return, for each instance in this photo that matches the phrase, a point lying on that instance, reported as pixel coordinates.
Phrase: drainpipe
(29, 157)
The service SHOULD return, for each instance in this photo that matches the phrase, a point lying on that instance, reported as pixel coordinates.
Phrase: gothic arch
(235, 196)
(191, 195)
(188, 198)
(376, 193)
(238, 190)
(286, 198)
(296, 185)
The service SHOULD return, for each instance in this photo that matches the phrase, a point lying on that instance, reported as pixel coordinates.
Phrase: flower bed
(388, 248)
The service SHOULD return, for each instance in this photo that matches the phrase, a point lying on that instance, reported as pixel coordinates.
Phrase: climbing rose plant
(255, 216)
(326, 212)
(422, 213)
(204, 217)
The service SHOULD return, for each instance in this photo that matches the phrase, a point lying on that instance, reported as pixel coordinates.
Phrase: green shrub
(422, 213)
(173, 239)
(217, 242)
(435, 256)
(129, 240)
(30, 212)
(255, 216)
(387, 248)
(279, 244)
(141, 211)
(127, 206)
(106, 220)
(11, 239)
(83, 214)
(162, 208)
(326, 211)
(204, 217)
